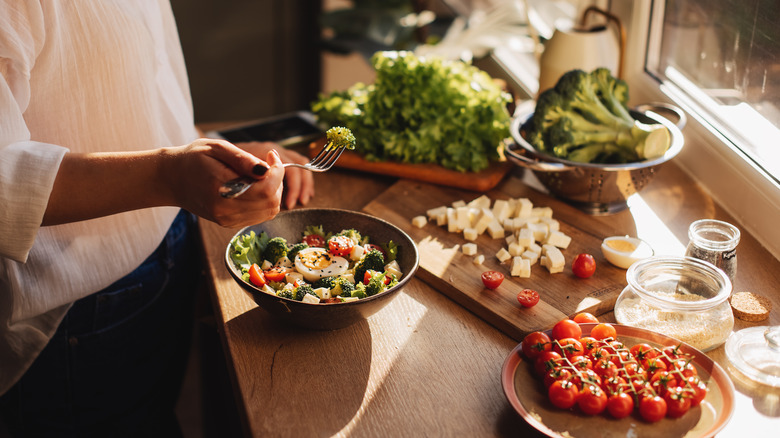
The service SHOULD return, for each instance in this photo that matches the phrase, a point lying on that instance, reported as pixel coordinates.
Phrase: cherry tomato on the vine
(566, 328)
(563, 394)
(545, 361)
(567, 347)
(592, 400)
(585, 317)
(677, 402)
(583, 266)
(652, 408)
(603, 331)
(492, 279)
(620, 405)
(535, 343)
(528, 297)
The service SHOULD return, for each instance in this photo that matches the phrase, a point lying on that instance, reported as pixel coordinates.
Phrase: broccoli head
(302, 290)
(275, 249)
(379, 282)
(373, 260)
(342, 287)
(326, 282)
(286, 293)
(584, 118)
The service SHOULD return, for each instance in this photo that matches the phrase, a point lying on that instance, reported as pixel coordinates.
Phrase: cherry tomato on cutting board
(584, 265)
(492, 279)
(528, 297)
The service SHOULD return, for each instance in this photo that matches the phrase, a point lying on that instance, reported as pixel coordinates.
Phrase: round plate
(526, 393)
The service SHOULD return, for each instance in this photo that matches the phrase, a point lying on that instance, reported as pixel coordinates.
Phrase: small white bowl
(623, 251)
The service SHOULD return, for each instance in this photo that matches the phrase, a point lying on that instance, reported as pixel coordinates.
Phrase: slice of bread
(748, 306)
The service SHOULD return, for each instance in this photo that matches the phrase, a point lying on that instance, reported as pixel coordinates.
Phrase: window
(723, 57)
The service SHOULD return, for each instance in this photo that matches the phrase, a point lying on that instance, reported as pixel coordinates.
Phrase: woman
(101, 174)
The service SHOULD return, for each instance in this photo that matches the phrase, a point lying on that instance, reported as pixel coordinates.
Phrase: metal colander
(594, 188)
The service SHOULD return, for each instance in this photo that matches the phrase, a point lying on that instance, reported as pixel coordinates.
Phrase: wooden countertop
(425, 365)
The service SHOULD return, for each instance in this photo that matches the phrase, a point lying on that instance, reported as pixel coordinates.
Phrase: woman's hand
(299, 183)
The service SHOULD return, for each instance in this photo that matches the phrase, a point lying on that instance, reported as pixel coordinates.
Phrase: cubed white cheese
(557, 238)
(266, 265)
(441, 219)
(293, 276)
(523, 209)
(510, 239)
(393, 268)
(552, 224)
(503, 255)
(479, 259)
(311, 299)
(349, 277)
(462, 216)
(520, 267)
(269, 290)
(469, 249)
(539, 231)
(525, 237)
(501, 209)
(480, 202)
(419, 221)
(535, 247)
(541, 212)
(495, 230)
(515, 249)
(459, 203)
(285, 262)
(531, 256)
(554, 256)
(470, 234)
(452, 221)
(357, 252)
(322, 292)
(435, 212)
(349, 299)
(485, 218)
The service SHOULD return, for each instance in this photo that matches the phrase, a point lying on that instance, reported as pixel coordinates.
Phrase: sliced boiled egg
(623, 251)
(315, 263)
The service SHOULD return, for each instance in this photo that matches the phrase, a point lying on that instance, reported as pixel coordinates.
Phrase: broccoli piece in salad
(275, 249)
(339, 286)
(286, 293)
(378, 282)
(584, 118)
(302, 290)
(295, 249)
(372, 260)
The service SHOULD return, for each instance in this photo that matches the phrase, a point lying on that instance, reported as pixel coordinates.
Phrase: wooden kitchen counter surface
(425, 365)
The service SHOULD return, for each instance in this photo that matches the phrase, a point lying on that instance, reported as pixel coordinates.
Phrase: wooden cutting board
(430, 173)
(447, 269)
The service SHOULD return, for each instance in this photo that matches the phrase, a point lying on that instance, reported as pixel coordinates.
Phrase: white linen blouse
(78, 76)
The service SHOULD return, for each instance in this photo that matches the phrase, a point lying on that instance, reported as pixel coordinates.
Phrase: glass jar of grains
(681, 297)
(716, 242)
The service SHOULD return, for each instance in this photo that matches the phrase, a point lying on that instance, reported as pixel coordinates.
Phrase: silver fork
(320, 163)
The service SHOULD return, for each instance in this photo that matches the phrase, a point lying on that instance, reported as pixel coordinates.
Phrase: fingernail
(259, 170)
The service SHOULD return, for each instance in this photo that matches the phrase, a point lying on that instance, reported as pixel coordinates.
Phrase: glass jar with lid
(682, 297)
(716, 242)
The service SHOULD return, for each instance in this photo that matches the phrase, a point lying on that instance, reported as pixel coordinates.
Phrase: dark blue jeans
(115, 365)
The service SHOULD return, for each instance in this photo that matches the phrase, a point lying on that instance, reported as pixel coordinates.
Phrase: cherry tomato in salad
(340, 246)
(592, 400)
(563, 394)
(566, 328)
(603, 331)
(314, 240)
(620, 405)
(370, 273)
(585, 317)
(584, 265)
(492, 279)
(652, 408)
(275, 273)
(528, 297)
(256, 276)
(535, 343)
